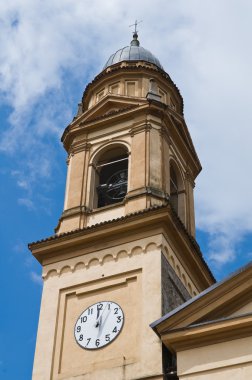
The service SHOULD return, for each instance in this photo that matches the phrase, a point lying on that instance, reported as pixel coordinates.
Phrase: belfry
(124, 250)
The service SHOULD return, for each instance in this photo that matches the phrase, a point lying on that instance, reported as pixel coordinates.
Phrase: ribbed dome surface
(134, 52)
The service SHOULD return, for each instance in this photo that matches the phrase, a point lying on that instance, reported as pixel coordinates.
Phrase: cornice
(99, 258)
(181, 126)
(144, 107)
(126, 250)
(141, 220)
(60, 236)
(77, 129)
(211, 332)
(124, 67)
(78, 122)
(110, 114)
(182, 134)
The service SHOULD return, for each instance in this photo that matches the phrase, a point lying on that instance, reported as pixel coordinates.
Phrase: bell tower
(124, 251)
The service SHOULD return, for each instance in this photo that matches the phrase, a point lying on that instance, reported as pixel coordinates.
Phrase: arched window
(173, 189)
(112, 176)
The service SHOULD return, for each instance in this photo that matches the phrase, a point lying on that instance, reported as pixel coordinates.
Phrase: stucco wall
(128, 274)
(222, 361)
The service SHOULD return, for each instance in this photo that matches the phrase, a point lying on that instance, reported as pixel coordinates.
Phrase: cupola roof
(134, 52)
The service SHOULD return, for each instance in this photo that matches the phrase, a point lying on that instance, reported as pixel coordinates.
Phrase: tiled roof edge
(140, 212)
(55, 236)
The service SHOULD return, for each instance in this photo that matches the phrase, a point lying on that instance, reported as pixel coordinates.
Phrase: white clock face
(99, 325)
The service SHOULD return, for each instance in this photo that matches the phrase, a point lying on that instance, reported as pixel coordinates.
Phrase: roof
(134, 52)
(128, 217)
(185, 305)
(94, 226)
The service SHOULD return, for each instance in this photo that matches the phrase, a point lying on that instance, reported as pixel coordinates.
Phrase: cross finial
(135, 41)
(135, 25)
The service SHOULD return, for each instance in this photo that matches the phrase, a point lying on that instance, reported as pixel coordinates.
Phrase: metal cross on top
(135, 25)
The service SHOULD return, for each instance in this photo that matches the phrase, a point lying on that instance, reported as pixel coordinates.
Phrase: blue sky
(49, 51)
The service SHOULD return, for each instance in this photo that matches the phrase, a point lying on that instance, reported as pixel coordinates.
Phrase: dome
(134, 52)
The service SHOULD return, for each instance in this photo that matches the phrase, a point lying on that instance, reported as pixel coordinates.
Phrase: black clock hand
(106, 317)
(99, 319)
(98, 312)
(102, 322)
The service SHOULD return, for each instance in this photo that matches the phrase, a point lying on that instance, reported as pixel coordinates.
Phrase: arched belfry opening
(174, 189)
(111, 176)
(177, 191)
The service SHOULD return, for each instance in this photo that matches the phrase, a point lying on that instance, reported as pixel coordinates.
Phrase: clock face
(99, 325)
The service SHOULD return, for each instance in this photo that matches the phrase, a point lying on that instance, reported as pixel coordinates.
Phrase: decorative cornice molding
(101, 258)
(110, 114)
(126, 66)
(212, 332)
(155, 214)
(91, 260)
(185, 134)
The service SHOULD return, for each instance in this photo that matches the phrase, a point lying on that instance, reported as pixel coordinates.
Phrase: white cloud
(204, 45)
(23, 184)
(221, 247)
(36, 278)
(27, 203)
(220, 118)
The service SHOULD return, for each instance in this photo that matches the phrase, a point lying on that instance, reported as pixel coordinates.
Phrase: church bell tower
(123, 253)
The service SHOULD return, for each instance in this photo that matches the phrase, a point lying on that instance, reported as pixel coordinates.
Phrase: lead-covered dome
(134, 52)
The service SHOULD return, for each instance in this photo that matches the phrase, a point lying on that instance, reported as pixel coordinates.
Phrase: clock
(99, 325)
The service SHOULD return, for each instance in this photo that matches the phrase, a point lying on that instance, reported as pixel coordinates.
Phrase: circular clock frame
(95, 329)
